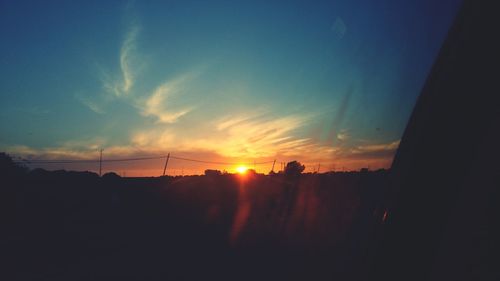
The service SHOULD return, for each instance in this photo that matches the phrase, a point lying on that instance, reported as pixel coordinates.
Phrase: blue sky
(317, 81)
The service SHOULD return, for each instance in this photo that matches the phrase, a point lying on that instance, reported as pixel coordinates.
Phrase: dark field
(77, 226)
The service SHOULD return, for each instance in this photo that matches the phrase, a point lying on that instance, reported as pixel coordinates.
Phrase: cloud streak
(261, 135)
(126, 53)
(122, 86)
(89, 104)
(159, 103)
(374, 150)
(162, 103)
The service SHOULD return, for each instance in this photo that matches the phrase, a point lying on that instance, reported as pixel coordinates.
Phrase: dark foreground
(77, 226)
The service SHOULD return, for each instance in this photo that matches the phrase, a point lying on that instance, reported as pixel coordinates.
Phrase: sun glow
(241, 170)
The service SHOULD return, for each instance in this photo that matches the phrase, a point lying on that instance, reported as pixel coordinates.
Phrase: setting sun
(241, 169)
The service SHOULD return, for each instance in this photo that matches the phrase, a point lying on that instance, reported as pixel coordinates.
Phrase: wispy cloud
(89, 104)
(343, 135)
(117, 85)
(381, 151)
(374, 148)
(260, 135)
(264, 135)
(122, 84)
(160, 105)
(246, 136)
(126, 54)
(229, 121)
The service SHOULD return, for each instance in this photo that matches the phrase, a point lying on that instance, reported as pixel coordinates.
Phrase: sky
(329, 83)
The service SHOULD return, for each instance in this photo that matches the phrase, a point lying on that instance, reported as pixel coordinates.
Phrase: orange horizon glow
(179, 167)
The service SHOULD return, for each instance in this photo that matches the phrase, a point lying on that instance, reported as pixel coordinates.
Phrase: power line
(219, 163)
(65, 161)
(72, 161)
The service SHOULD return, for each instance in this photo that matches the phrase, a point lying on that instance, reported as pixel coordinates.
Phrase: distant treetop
(294, 168)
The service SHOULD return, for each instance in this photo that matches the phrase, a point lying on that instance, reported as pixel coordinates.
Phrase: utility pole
(319, 166)
(100, 161)
(166, 163)
(272, 169)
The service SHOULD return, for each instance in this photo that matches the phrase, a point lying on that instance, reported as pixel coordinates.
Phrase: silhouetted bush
(111, 176)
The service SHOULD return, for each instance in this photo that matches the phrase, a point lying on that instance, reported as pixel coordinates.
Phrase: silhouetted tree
(294, 168)
(210, 172)
(9, 168)
(251, 171)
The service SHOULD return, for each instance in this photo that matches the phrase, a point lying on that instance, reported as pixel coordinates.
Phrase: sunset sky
(330, 82)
